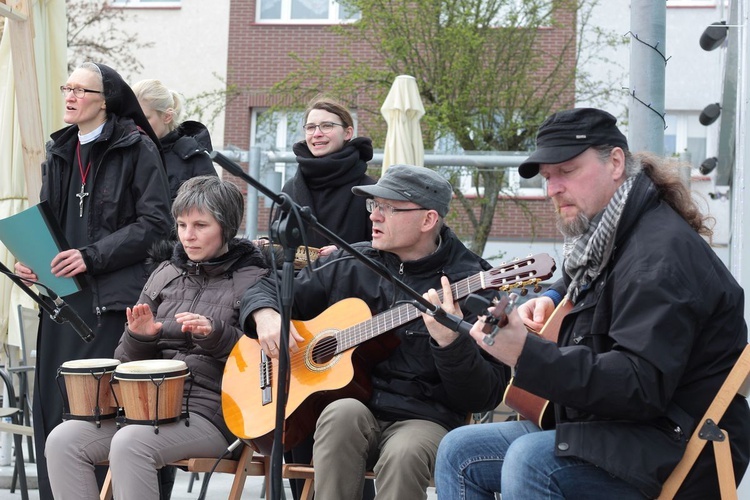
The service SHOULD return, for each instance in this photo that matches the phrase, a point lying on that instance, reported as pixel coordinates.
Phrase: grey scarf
(586, 255)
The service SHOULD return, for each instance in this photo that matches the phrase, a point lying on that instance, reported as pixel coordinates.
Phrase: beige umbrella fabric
(50, 47)
(402, 110)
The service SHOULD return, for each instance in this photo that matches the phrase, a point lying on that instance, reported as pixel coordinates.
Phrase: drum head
(86, 366)
(151, 367)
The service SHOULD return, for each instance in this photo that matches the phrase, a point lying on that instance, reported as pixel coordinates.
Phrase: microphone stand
(290, 235)
(52, 309)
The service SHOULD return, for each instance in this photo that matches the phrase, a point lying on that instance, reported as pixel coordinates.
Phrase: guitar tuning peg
(537, 288)
(523, 292)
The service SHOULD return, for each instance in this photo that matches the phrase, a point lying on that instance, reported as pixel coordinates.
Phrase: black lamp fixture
(710, 114)
(714, 35)
(708, 165)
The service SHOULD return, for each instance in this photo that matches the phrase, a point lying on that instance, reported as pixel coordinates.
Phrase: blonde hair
(161, 99)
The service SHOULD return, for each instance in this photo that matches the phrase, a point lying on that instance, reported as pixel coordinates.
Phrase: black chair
(15, 426)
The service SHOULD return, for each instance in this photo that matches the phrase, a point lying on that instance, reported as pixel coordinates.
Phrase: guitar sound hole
(324, 350)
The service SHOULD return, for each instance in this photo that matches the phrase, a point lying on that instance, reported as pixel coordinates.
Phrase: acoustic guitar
(527, 405)
(340, 347)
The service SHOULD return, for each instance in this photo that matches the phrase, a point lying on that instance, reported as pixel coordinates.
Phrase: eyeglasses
(78, 91)
(385, 208)
(324, 127)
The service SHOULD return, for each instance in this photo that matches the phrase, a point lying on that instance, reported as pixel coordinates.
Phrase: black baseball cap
(566, 134)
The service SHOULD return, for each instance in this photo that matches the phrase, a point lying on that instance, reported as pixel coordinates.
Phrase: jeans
(518, 460)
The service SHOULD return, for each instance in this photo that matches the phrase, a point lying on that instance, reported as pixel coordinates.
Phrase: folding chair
(18, 430)
(737, 382)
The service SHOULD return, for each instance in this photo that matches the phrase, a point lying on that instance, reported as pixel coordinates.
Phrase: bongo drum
(86, 393)
(150, 391)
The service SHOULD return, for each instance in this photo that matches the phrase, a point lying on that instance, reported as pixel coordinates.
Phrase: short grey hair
(209, 194)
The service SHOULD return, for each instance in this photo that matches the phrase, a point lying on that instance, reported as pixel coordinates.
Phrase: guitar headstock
(520, 273)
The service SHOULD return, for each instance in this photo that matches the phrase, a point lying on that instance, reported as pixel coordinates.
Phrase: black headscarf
(121, 100)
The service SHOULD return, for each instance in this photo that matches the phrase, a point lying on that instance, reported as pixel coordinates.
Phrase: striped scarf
(586, 255)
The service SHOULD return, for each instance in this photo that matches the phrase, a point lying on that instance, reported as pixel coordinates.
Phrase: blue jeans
(518, 460)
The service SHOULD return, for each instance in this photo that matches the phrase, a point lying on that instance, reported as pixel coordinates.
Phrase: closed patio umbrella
(402, 110)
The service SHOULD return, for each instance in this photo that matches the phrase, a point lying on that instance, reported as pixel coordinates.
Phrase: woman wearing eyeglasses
(105, 181)
(331, 161)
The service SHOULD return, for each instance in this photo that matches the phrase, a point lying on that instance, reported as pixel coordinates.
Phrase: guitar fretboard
(399, 315)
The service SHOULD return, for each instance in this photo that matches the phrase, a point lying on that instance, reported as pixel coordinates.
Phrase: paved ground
(219, 487)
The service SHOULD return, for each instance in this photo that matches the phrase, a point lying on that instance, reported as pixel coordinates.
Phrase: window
(278, 131)
(146, 3)
(303, 12)
(513, 183)
(685, 137)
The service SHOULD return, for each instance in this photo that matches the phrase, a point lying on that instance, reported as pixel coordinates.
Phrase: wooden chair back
(737, 382)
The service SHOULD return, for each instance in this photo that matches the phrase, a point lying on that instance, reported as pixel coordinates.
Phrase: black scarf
(325, 185)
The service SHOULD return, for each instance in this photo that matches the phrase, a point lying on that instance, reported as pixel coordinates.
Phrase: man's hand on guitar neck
(442, 334)
(509, 340)
(535, 312)
(268, 327)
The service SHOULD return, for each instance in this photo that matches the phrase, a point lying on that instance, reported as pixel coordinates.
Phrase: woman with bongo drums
(187, 314)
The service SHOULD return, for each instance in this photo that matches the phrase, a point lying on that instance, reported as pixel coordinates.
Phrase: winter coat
(419, 379)
(324, 184)
(129, 206)
(186, 154)
(643, 353)
(211, 289)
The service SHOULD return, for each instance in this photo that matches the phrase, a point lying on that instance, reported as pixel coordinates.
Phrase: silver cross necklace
(82, 194)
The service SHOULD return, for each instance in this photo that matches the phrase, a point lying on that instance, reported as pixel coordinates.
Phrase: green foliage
(487, 70)
(207, 106)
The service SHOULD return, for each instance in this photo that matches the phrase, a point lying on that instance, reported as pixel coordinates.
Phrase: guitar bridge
(265, 379)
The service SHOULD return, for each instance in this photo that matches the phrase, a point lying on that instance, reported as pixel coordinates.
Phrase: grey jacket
(212, 289)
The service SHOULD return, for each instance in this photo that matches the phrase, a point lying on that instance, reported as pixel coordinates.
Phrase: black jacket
(186, 154)
(643, 353)
(212, 289)
(129, 206)
(419, 379)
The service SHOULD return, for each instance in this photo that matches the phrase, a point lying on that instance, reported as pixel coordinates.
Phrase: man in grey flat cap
(424, 386)
(654, 326)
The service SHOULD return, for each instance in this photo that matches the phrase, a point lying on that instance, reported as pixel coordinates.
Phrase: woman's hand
(25, 273)
(141, 320)
(194, 323)
(327, 250)
(68, 263)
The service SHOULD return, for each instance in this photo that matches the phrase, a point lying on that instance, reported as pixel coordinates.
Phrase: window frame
(334, 15)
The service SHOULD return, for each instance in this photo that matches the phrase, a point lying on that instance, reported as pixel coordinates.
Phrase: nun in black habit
(105, 181)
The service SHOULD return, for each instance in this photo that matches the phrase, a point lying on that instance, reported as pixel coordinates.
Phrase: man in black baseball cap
(652, 324)
(566, 134)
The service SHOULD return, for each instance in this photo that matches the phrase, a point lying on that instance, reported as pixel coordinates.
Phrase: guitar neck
(399, 315)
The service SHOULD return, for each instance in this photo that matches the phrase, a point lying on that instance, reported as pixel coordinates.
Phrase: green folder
(34, 237)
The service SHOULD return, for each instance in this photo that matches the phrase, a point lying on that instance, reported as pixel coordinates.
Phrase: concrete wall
(190, 46)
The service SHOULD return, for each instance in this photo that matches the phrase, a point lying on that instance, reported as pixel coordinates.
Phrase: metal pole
(648, 21)
(251, 223)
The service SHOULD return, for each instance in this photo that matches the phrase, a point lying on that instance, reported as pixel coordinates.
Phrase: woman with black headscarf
(105, 181)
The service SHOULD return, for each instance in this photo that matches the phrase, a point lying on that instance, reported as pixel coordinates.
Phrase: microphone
(66, 314)
(227, 164)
